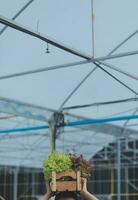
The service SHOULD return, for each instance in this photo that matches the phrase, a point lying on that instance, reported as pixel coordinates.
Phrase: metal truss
(43, 114)
(25, 110)
(38, 113)
(109, 153)
(42, 37)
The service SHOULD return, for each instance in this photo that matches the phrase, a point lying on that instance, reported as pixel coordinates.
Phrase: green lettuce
(57, 162)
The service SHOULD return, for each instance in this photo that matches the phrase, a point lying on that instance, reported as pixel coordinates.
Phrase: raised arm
(85, 193)
(48, 194)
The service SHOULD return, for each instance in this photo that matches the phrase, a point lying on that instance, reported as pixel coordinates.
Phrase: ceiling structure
(75, 58)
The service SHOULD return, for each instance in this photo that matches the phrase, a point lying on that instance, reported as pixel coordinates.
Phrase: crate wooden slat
(58, 184)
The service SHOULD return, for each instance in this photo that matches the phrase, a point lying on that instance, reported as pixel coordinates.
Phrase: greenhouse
(69, 82)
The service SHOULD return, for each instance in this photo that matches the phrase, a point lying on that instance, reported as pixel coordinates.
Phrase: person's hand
(85, 193)
(84, 185)
(48, 192)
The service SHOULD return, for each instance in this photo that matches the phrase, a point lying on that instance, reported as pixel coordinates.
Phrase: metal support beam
(110, 129)
(126, 182)
(118, 165)
(67, 65)
(25, 110)
(71, 124)
(118, 80)
(52, 130)
(120, 55)
(15, 184)
(42, 37)
(124, 41)
(35, 112)
(133, 186)
(112, 181)
(77, 87)
(33, 183)
(45, 38)
(17, 14)
(93, 28)
(119, 70)
(55, 124)
(45, 69)
(105, 103)
(127, 121)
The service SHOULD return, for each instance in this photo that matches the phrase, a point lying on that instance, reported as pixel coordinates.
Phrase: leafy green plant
(58, 162)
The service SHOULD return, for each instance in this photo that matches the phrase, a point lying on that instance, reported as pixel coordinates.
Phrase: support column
(112, 181)
(118, 165)
(15, 184)
(55, 126)
(52, 129)
(126, 182)
(33, 183)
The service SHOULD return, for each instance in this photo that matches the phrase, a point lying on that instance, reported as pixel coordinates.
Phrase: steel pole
(120, 55)
(126, 182)
(43, 37)
(15, 184)
(17, 14)
(118, 169)
(52, 130)
(33, 183)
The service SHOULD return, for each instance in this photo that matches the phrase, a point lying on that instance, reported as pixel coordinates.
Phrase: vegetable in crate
(57, 162)
(80, 164)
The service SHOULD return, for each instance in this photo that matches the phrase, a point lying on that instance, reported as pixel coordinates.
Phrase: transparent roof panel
(82, 62)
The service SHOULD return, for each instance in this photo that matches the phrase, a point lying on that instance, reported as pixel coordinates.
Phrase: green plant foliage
(58, 162)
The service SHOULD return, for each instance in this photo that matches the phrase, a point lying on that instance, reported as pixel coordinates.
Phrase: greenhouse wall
(29, 184)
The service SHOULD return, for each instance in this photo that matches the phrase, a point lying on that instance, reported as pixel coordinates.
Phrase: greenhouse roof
(76, 59)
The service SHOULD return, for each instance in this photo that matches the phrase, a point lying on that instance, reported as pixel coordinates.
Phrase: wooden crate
(58, 184)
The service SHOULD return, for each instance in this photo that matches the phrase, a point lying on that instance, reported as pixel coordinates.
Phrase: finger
(84, 180)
